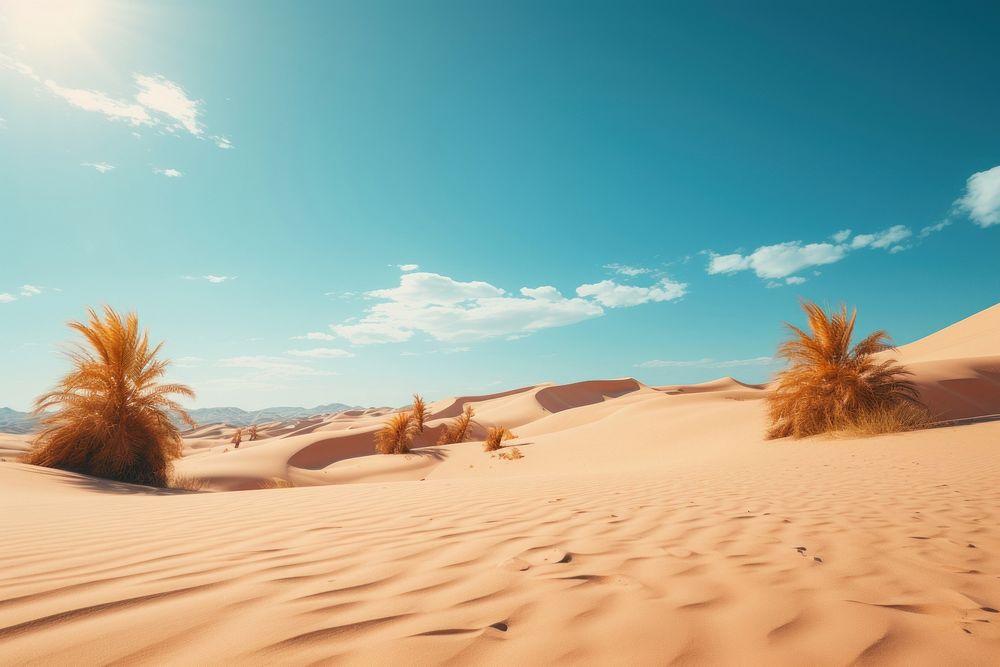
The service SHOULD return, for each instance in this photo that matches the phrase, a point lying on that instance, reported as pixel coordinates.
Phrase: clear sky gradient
(352, 201)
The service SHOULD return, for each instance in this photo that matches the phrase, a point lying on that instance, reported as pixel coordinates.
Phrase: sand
(643, 525)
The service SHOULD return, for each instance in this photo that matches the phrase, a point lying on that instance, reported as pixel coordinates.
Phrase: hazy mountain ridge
(13, 421)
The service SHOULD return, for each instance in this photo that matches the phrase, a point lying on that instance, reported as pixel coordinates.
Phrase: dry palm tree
(458, 429)
(420, 412)
(237, 438)
(252, 432)
(397, 434)
(830, 385)
(112, 417)
(495, 438)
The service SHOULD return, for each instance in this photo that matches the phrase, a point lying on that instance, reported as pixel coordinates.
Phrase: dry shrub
(252, 432)
(458, 429)
(276, 483)
(896, 418)
(237, 438)
(112, 418)
(397, 434)
(187, 483)
(512, 455)
(420, 412)
(831, 386)
(495, 438)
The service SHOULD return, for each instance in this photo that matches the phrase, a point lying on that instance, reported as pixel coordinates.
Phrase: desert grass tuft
(187, 483)
(459, 428)
(495, 438)
(511, 455)
(276, 483)
(109, 416)
(397, 434)
(831, 386)
(237, 438)
(420, 412)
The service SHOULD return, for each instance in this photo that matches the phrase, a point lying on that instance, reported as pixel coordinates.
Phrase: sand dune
(644, 525)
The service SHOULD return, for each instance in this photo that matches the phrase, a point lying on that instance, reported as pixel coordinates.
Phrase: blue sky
(352, 201)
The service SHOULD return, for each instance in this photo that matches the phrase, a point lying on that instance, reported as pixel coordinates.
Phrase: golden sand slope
(643, 526)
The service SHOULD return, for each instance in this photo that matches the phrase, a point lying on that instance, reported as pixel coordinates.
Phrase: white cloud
(3, 123)
(982, 197)
(931, 229)
(169, 173)
(315, 335)
(30, 290)
(887, 238)
(451, 310)
(158, 102)
(614, 295)
(158, 93)
(794, 280)
(706, 363)
(625, 270)
(841, 236)
(782, 260)
(408, 267)
(7, 297)
(187, 362)
(93, 100)
(321, 353)
(215, 280)
(102, 167)
(271, 366)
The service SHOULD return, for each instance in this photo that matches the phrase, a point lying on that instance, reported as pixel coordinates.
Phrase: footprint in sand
(531, 557)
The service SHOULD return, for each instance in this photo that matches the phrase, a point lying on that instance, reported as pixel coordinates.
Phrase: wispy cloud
(7, 297)
(782, 260)
(102, 167)
(981, 200)
(30, 290)
(707, 363)
(272, 366)
(321, 353)
(451, 310)
(625, 270)
(169, 173)
(157, 101)
(158, 93)
(408, 267)
(211, 278)
(614, 295)
(315, 335)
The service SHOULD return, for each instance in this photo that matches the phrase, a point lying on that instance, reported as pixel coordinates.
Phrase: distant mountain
(12, 421)
(240, 417)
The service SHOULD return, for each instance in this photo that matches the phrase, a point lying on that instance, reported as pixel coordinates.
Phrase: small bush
(252, 433)
(187, 483)
(896, 418)
(511, 455)
(495, 438)
(237, 438)
(458, 430)
(397, 434)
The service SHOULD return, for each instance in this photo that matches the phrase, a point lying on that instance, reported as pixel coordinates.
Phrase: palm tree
(112, 417)
(830, 385)
(397, 434)
(420, 412)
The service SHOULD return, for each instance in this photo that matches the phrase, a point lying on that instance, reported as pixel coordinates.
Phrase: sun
(50, 23)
